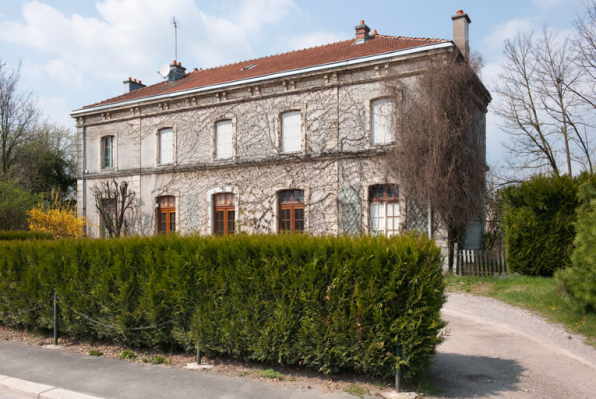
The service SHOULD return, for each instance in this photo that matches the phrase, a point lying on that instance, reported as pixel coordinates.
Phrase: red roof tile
(334, 52)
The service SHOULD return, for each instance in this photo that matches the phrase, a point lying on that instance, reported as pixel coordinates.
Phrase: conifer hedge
(330, 303)
(9, 235)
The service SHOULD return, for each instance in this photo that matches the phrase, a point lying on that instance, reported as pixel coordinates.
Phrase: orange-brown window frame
(291, 211)
(224, 214)
(166, 215)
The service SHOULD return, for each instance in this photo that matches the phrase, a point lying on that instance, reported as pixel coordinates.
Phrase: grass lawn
(538, 294)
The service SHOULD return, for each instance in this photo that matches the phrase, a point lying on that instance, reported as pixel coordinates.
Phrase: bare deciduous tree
(439, 155)
(112, 201)
(542, 106)
(18, 116)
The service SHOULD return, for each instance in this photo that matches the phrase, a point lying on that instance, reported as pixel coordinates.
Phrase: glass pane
(231, 222)
(172, 221)
(299, 219)
(219, 222)
(163, 219)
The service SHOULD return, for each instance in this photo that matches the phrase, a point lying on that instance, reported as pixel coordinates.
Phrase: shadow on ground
(461, 376)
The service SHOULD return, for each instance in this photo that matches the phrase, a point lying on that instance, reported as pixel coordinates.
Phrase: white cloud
(508, 30)
(134, 37)
(314, 39)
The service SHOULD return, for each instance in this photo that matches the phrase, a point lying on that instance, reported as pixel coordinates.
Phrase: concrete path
(495, 350)
(112, 378)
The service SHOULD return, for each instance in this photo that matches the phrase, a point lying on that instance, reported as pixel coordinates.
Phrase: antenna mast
(175, 23)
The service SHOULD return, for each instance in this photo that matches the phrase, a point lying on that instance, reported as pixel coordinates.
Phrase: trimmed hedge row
(9, 235)
(538, 219)
(330, 303)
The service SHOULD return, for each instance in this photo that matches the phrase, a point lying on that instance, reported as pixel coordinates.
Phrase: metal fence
(473, 262)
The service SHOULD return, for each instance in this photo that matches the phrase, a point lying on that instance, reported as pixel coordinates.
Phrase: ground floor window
(166, 214)
(384, 209)
(291, 210)
(224, 213)
(107, 217)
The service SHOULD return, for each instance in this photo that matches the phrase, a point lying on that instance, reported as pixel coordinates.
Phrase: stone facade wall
(335, 168)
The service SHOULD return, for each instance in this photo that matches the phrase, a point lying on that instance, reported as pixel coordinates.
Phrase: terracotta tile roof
(334, 52)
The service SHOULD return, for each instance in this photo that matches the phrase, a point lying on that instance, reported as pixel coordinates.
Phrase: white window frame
(102, 153)
(383, 216)
(298, 134)
(231, 153)
(160, 160)
(377, 122)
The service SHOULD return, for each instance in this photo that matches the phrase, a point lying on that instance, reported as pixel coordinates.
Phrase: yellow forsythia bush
(57, 218)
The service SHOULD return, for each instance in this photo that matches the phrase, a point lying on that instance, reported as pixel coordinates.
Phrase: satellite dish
(164, 71)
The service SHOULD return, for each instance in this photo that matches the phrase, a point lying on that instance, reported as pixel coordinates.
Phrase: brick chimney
(361, 33)
(132, 85)
(177, 71)
(461, 34)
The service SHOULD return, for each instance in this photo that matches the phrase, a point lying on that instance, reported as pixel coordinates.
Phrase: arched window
(166, 214)
(291, 210)
(384, 209)
(224, 213)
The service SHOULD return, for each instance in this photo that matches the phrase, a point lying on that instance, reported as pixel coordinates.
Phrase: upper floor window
(291, 210)
(382, 121)
(384, 209)
(166, 146)
(291, 131)
(107, 152)
(223, 139)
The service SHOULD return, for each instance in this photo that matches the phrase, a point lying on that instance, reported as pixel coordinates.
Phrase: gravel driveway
(495, 350)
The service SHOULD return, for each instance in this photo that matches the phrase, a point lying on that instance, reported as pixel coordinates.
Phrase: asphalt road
(495, 350)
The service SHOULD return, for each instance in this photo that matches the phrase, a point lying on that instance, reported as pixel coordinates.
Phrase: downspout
(83, 175)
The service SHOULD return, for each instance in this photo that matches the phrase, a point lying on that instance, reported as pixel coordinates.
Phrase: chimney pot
(196, 70)
(179, 63)
(460, 12)
(132, 85)
(361, 22)
(129, 78)
(373, 32)
(174, 62)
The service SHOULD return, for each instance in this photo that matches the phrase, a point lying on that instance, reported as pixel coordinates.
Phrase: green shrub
(9, 235)
(579, 281)
(95, 352)
(538, 217)
(330, 303)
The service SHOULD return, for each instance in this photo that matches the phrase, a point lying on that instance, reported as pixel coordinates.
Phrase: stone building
(293, 141)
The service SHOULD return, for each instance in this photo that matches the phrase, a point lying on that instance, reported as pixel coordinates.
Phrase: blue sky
(74, 53)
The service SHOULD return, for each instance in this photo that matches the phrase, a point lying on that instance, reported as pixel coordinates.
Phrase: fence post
(55, 320)
(397, 374)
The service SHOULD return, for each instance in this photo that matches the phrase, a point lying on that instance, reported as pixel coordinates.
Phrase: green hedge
(325, 302)
(579, 280)
(9, 235)
(538, 218)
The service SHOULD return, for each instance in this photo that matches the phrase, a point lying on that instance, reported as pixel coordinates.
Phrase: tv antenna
(175, 23)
